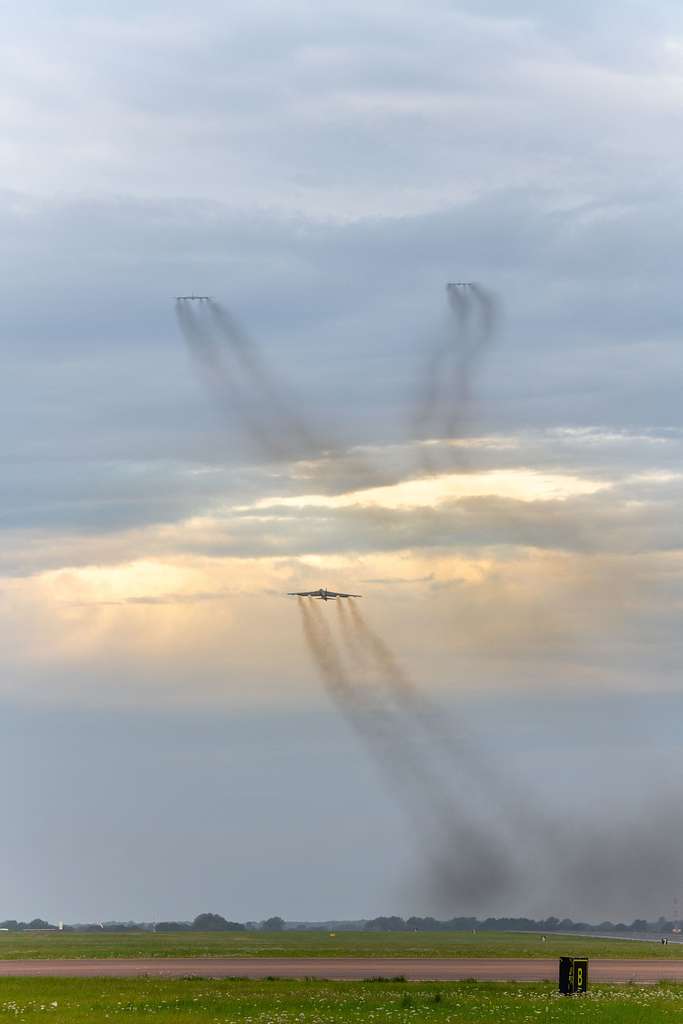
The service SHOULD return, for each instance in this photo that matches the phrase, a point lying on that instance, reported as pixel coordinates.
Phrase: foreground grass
(18, 945)
(70, 1001)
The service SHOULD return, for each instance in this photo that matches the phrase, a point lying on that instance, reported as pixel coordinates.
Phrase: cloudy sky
(510, 511)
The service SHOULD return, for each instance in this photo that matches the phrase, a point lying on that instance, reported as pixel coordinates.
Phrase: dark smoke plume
(234, 370)
(482, 839)
(445, 398)
(250, 393)
(374, 654)
(560, 859)
(229, 392)
(281, 406)
(464, 853)
(255, 398)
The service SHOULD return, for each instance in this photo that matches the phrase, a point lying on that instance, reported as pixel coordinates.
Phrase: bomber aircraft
(322, 595)
(193, 298)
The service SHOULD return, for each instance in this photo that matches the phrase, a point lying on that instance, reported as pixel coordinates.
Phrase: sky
(506, 497)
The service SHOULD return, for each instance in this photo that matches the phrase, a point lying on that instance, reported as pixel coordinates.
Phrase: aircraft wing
(326, 594)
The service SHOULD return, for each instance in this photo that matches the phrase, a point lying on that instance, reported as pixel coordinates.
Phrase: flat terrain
(72, 945)
(95, 1001)
(343, 968)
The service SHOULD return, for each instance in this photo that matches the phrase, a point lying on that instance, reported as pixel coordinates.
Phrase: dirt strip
(342, 968)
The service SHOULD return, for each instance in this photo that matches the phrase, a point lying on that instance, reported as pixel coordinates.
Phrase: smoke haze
(464, 852)
(444, 402)
(482, 837)
(256, 402)
(235, 372)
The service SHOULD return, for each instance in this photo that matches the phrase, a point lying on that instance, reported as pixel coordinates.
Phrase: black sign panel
(573, 974)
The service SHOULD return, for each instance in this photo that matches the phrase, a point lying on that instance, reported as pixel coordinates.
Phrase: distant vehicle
(322, 595)
(193, 298)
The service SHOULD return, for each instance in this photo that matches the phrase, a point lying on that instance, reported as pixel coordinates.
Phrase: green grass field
(17, 945)
(71, 1001)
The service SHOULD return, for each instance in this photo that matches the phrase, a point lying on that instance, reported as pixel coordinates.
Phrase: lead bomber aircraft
(322, 595)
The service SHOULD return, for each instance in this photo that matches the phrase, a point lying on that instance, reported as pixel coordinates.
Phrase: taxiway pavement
(343, 968)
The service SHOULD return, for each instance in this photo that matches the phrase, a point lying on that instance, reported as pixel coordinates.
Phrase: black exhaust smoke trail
(265, 387)
(446, 391)
(488, 313)
(364, 703)
(376, 653)
(515, 813)
(366, 639)
(236, 372)
(356, 701)
(208, 357)
(475, 315)
(459, 302)
(327, 659)
(458, 847)
(350, 637)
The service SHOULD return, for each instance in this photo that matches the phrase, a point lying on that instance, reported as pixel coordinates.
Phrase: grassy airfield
(70, 1001)
(51, 945)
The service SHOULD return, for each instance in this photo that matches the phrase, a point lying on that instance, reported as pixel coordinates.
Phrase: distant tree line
(512, 924)
(217, 923)
(201, 923)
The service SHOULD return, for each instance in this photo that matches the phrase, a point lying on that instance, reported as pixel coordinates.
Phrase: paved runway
(343, 968)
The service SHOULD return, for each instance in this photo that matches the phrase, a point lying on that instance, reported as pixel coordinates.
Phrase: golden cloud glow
(517, 484)
(200, 630)
(195, 610)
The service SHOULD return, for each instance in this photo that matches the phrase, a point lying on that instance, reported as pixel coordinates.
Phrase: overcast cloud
(323, 172)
